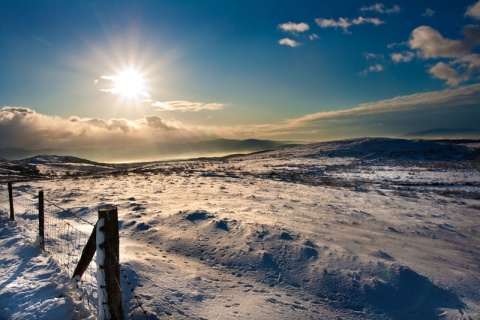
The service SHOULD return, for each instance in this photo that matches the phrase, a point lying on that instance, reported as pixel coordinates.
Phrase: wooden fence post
(41, 219)
(10, 196)
(87, 254)
(111, 263)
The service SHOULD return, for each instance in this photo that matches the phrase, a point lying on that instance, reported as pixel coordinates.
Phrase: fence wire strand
(64, 242)
(131, 306)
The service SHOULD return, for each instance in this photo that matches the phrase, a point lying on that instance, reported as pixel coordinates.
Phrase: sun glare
(128, 83)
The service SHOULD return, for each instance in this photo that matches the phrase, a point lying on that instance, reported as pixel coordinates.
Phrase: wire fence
(65, 236)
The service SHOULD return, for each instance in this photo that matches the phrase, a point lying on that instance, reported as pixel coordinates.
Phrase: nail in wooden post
(112, 257)
(10, 196)
(41, 219)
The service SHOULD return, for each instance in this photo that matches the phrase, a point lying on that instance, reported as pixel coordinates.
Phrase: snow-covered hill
(355, 229)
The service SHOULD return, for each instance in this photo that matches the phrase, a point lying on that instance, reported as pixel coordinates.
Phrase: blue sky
(280, 70)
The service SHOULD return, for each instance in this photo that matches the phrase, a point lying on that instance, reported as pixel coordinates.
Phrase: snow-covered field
(355, 229)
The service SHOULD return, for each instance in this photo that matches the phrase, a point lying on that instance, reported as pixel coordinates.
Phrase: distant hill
(382, 149)
(445, 133)
(153, 152)
(366, 150)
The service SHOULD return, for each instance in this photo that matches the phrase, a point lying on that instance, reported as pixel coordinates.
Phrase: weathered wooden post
(41, 219)
(87, 255)
(108, 274)
(10, 196)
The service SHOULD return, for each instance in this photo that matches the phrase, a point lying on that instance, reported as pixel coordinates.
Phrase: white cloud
(406, 56)
(294, 27)
(445, 72)
(458, 70)
(184, 106)
(428, 13)
(471, 62)
(429, 43)
(474, 11)
(380, 8)
(373, 68)
(313, 36)
(346, 23)
(289, 42)
(343, 23)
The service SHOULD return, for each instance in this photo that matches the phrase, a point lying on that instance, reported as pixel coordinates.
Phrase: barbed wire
(129, 283)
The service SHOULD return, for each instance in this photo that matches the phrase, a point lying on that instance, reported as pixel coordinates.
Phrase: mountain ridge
(152, 152)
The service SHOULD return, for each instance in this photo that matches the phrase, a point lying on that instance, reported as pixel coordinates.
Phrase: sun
(128, 83)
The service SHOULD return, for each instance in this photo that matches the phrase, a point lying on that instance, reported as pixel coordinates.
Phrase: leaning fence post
(108, 273)
(10, 196)
(41, 219)
(87, 255)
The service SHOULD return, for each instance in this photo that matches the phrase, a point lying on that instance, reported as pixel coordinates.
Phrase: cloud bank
(22, 127)
(25, 128)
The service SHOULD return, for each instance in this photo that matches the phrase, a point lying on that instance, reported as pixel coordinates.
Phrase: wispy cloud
(400, 110)
(373, 56)
(428, 13)
(467, 95)
(377, 67)
(289, 42)
(294, 27)
(313, 36)
(380, 8)
(346, 23)
(376, 61)
(184, 106)
(406, 56)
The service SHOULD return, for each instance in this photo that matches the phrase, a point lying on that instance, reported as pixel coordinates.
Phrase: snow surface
(32, 286)
(356, 229)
